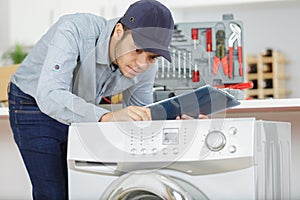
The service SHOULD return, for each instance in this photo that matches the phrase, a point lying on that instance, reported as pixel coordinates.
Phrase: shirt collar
(102, 47)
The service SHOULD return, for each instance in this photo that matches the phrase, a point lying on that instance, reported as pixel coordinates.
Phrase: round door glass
(150, 185)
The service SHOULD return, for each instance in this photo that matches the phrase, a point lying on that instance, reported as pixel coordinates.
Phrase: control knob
(215, 140)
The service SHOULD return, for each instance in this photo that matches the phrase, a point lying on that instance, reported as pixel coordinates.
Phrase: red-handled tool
(208, 40)
(195, 36)
(231, 41)
(235, 36)
(196, 76)
(209, 48)
(240, 86)
(220, 53)
(240, 60)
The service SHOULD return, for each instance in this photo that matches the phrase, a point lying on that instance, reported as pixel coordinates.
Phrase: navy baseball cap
(151, 25)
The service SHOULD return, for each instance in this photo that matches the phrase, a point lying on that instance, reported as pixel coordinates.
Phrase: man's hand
(186, 117)
(130, 113)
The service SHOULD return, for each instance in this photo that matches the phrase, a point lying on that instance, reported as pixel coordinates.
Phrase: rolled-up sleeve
(53, 95)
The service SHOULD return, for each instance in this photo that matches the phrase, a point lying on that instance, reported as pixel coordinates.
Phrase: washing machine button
(175, 150)
(154, 151)
(165, 151)
(232, 149)
(215, 140)
(233, 130)
(144, 151)
(133, 151)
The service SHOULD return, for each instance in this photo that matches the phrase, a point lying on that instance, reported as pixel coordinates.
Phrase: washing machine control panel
(169, 140)
(224, 142)
(192, 146)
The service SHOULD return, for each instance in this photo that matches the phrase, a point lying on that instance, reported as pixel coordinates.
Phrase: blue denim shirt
(68, 71)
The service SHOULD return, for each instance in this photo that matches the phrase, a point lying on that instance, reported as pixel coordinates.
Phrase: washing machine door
(151, 185)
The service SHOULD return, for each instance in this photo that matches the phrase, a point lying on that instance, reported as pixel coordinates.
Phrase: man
(81, 59)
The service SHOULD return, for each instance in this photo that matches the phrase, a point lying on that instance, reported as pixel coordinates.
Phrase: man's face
(131, 60)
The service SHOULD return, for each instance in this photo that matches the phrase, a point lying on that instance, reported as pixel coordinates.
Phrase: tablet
(205, 100)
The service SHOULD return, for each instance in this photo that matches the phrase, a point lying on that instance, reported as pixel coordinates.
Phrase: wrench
(235, 36)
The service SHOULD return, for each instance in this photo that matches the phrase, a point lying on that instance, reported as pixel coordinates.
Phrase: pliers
(235, 36)
(220, 53)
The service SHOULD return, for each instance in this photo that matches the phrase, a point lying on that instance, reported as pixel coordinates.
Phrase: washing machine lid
(151, 185)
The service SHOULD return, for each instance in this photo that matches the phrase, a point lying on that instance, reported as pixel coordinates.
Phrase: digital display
(170, 136)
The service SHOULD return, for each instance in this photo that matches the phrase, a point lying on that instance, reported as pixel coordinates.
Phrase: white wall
(4, 28)
(30, 19)
(26, 21)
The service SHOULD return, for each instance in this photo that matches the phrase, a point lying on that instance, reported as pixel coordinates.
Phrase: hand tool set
(204, 53)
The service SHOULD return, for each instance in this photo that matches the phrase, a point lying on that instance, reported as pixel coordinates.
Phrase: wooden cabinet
(5, 74)
(267, 72)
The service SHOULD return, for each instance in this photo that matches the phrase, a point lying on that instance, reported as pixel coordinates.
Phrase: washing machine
(231, 158)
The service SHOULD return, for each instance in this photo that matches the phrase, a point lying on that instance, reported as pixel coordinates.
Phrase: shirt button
(56, 67)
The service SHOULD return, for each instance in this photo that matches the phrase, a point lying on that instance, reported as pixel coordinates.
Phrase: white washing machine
(238, 158)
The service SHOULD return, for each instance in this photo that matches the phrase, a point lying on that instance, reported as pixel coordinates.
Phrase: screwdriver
(195, 36)
(209, 48)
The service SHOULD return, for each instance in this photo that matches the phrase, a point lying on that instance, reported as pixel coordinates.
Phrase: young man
(81, 59)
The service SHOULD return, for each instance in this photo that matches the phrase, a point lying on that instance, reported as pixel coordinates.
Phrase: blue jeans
(42, 142)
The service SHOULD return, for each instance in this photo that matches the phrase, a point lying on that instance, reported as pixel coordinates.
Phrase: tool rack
(204, 53)
(267, 72)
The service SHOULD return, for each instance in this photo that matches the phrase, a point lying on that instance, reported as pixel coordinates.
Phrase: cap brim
(155, 40)
(164, 53)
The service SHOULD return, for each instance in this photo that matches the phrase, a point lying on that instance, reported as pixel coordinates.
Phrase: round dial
(215, 140)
